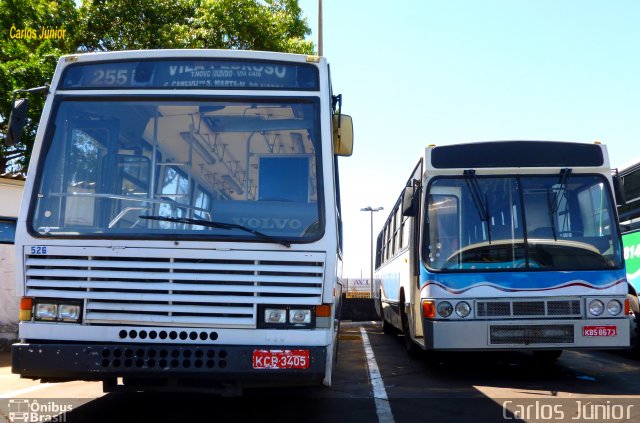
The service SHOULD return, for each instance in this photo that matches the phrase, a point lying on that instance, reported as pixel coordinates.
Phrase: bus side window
(7, 230)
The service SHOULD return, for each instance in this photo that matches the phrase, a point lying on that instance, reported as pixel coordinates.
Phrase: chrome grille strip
(178, 298)
(168, 286)
(181, 265)
(111, 275)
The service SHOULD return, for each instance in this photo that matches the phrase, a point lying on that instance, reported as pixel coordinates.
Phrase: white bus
(181, 222)
(505, 245)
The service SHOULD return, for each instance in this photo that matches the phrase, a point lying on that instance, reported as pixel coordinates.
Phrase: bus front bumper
(73, 361)
(526, 334)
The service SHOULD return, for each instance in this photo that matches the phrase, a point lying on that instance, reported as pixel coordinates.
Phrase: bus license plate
(281, 359)
(599, 331)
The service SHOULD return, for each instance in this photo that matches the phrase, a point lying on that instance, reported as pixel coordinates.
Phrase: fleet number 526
(38, 250)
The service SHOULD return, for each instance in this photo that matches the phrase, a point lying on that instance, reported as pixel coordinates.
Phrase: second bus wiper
(554, 205)
(482, 205)
(220, 225)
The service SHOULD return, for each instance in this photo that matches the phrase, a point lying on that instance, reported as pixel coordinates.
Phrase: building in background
(11, 187)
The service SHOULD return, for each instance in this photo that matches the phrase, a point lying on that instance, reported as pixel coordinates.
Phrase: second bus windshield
(482, 224)
(244, 163)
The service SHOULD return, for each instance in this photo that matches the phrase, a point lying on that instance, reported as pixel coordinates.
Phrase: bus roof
(520, 154)
(188, 53)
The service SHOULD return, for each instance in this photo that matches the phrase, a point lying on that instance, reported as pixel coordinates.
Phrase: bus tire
(387, 328)
(413, 350)
(547, 356)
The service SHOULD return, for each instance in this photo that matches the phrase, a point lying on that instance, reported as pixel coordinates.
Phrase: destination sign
(191, 74)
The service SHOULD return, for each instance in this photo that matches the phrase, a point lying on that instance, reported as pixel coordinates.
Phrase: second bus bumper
(526, 334)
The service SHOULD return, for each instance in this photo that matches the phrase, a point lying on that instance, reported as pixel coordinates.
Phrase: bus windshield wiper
(482, 205)
(554, 205)
(220, 225)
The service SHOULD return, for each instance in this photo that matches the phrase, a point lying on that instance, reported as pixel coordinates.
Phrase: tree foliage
(108, 25)
(28, 61)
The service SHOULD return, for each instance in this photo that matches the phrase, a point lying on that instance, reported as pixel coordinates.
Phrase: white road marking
(13, 394)
(383, 410)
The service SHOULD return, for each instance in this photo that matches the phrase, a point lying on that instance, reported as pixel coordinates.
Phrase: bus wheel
(387, 327)
(547, 356)
(412, 348)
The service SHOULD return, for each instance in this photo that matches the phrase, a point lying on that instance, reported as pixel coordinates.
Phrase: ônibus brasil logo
(26, 410)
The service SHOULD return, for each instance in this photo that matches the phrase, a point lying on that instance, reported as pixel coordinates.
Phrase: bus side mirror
(618, 189)
(342, 135)
(17, 120)
(409, 208)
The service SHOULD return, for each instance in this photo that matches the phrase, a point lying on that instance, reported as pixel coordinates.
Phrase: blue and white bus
(181, 222)
(505, 245)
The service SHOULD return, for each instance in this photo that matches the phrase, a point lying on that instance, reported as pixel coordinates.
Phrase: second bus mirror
(618, 189)
(408, 202)
(342, 135)
(17, 120)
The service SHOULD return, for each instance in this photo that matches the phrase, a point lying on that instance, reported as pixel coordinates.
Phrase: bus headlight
(445, 309)
(46, 311)
(275, 315)
(300, 317)
(69, 312)
(463, 309)
(614, 307)
(596, 307)
(278, 316)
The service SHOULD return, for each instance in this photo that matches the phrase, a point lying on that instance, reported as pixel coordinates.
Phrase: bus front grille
(207, 288)
(531, 334)
(549, 308)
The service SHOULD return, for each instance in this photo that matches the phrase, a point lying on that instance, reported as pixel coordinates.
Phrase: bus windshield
(556, 222)
(129, 168)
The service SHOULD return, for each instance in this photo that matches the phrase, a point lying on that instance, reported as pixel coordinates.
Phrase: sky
(414, 73)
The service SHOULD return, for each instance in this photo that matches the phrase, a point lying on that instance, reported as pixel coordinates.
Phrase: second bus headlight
(444, 309)
(614, 307)
(596, 307)
(463, 309)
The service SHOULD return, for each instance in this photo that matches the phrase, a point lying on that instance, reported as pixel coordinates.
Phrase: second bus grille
(528, 308)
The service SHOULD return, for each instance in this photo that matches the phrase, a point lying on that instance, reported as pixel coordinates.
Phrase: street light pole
(320, 40)
(371, 210)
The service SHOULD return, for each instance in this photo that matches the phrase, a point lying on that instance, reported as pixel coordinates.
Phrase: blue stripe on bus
(522, 281)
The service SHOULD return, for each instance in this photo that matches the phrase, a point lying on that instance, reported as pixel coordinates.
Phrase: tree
(28, 61)
(273, 25)
(107, 25)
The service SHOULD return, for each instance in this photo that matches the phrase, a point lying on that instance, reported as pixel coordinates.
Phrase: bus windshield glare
(556, 222)
(111, 164)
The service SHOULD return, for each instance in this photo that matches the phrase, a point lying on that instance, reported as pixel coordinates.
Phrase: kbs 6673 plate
(608, 330)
